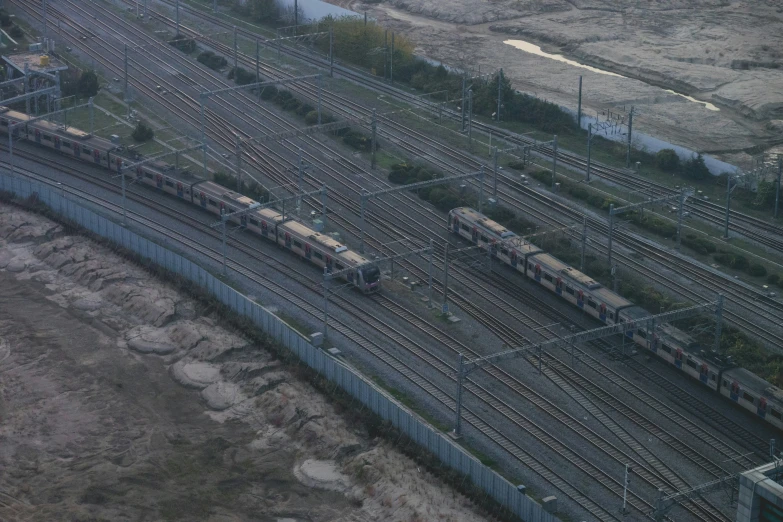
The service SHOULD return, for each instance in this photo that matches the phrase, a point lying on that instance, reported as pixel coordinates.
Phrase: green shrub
(736, 261)
(695, 168)
(88, 84)
(667, 159)
(241, 76)
(186, 45)
(700, 244)
(15, 31)
(358, 141)
(269, 92)
(142, 132)
(5, 18)
(757, 270)
(212, 60)
(311, 118)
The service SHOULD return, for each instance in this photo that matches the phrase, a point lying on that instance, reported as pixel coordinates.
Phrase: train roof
(482, 220)
(69, 132)
(10, 113)
(610, 298)
(556, 266)
(326, 242)
(754, 383)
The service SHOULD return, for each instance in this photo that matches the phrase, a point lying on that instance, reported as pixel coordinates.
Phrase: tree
(142, 132)
(88, 84)
(5, 18)
(16, 31)
(695, 168)
(667, 159)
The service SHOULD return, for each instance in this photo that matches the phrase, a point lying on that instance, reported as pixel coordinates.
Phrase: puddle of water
(534, 49)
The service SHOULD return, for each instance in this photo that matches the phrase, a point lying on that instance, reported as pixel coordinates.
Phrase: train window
(548, 277)
(148, 175)
(591, 303)
(169, 183)
(465, 228)
(504, 251)
(690, 363)
(775, 413)
(86, 150)
(484, 239)
(530, 266)
(748, 397)
(666, 348)
(46, 137)
(67, 144)
(297, 244)
(725, 383)
(253, 222)
(213, 202)
(712, 377)
(318, 255)
(339, 266)
(641, 333)
(611, 315)
(570, 290)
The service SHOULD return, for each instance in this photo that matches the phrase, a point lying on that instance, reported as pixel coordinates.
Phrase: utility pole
(296, 15)
(500, 92)
(43, 13)
(463, 103)
(385, 53)
(495, 174)
(718, 323)
(374, 127)
(554, 159)
(626, 483)
(470, 119)
(236, 53)
(679, 219)
(331, 52)
(429, 273)
(391, 61)
(320, 90)
(125, 65)
(777, 185)
(444, 309)
(238, 152)
(589, 142)
(214, 6)
(630, 130)
(326, 302)
(579, 105)
(258, 73)
(177, 9)
(728, 203)
(584, 243)
(458, 405)
(611, 231)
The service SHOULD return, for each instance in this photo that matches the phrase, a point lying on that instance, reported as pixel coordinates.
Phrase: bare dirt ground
(120, 399)
(729, 53)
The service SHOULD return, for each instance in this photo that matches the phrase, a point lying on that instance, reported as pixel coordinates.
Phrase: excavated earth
(122, 399)
(728, 53)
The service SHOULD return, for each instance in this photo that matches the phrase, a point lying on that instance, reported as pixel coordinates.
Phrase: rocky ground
(719, 51)
(121, 399)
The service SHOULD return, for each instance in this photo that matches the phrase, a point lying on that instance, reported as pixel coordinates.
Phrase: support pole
(584, 243)
(679, 219)
(214, 6)
(91, 104)
(718, 322)
(27, 86)
(464, 79)
(500, 92)
(124, 212)
(299, 175)
(177, 9)
(331, 52)
(125, 89)
(326, 304)
(323, 205)
(481, 189)
(495, 174)
(238, 152)
(429, 274)
(458, 406)
(11, 149)
(470, 119)
(626, 482)
(391, 61)
(728, 205)
(223, 218)
(630, 131)
(203, 135)
(361, 223)
(236, 55)
(444, 309)
(296, 15)
(579, 105)
(385, 53)
(777, 185)
(258, 67)
(43, 15)
(320, 90)
(589, 145)
(374, 131)
(554, 160)
(611, 231)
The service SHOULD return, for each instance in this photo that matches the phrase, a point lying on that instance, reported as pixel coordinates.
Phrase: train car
(753, 393)
(324, 251)
(10, 117)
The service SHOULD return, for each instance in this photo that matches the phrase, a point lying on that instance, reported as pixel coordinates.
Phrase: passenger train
(319, 249)
(667, 342)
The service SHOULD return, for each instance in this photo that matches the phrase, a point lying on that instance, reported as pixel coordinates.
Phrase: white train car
(754, 394)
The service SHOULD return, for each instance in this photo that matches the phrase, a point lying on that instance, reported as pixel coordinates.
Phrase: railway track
(759, 230)
(748, 297)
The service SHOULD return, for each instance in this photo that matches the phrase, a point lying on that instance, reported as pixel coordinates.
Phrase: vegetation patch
(212, 60)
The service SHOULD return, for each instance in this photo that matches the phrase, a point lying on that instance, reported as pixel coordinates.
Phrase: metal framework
(414, 186)
(682, 196)
(525, 148)
(664, 503)
(464, 368)
(599, 127)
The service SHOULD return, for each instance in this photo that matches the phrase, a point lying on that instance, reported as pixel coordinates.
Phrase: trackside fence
(354, 384)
